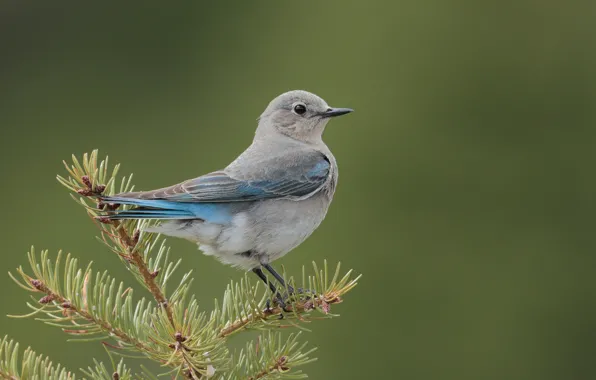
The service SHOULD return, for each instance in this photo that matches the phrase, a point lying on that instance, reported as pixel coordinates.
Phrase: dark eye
(300, 109)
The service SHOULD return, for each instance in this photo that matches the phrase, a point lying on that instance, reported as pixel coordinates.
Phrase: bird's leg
(262, 276)
(279, 278)
(259, 272)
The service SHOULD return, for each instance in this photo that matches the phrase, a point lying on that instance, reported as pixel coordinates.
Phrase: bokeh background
(466, 194)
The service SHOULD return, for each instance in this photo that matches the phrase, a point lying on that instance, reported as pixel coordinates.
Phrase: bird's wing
(267, 179)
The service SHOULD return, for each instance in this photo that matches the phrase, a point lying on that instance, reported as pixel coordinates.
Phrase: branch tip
(37, 284)
(179, 337)
(87, 181)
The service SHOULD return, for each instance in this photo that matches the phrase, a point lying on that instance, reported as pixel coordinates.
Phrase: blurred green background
(466, 194)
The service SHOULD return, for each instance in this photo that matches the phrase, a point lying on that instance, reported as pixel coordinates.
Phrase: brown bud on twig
(136, 236)
(155, 273)
(103, 219)
(179, 338)
(66, 305)
(37, 284)
(85, 192)
(325, 307)
(281, 363)
(46, 299)
(100, 189)
(116, 376)
(85, 179)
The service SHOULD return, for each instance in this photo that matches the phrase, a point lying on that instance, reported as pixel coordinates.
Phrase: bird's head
(298, 114)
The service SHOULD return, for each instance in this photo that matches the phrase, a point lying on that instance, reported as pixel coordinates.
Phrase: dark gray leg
(280, 301)
(262, 276)
(278, 277)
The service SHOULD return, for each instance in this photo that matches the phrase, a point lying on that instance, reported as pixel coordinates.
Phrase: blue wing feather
(205, 197)
(221, 187)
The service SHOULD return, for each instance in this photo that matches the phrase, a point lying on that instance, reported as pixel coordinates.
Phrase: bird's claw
(281, 302)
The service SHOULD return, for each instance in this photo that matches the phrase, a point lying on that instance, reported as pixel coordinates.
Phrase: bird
(264, 204)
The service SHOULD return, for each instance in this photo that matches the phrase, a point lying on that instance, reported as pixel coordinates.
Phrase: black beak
(332, 112)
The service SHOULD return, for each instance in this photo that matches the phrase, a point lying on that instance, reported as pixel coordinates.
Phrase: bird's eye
(300, 109)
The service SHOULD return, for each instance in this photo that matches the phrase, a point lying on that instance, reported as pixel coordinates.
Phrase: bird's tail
(148, 209)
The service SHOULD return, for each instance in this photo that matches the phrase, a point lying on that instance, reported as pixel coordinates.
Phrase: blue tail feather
(161, 209)
(153, 203)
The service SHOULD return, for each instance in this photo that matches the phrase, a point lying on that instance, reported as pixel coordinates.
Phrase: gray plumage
(266, 202)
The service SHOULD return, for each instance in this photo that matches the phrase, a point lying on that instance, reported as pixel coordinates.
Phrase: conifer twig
(84, 307)
(29, 366)
(52, 296)
(325, 291)
(87, 180)
(298, 307)
(137, 260)
(272, 357)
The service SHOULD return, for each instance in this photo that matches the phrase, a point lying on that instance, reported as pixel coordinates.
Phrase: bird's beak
(332, 112)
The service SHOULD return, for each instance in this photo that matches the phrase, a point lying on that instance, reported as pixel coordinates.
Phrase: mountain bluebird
(265, 203)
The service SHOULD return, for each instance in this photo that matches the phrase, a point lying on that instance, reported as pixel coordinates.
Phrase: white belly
(259, 234)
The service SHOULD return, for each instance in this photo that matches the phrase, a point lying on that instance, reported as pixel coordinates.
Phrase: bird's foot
(279, 301)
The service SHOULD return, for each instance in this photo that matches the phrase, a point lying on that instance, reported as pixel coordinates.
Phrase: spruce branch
(92, 306)
(100, 372)
(89, 305)
(83, 307)
(190, 343)
(240, 311)
(30, 366)
(272, 357)
(90, 181)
